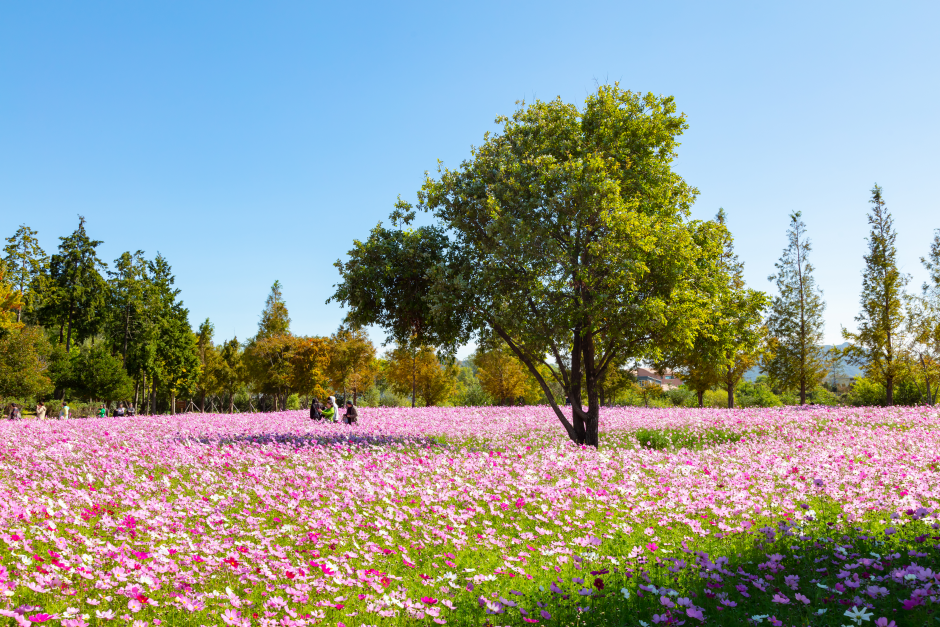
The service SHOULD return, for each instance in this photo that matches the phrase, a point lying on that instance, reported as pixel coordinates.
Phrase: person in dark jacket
(316, 410)
(351, 416)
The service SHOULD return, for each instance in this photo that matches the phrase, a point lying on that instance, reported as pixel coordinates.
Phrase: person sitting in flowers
(316, 410)
(351, 416)
(331, 413)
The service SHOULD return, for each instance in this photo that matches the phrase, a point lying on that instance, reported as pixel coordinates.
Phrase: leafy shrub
(822, 396)
(680, 396)
(867, 393)
(716, 399)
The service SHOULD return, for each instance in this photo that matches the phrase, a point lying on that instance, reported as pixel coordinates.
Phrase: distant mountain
(848, 370)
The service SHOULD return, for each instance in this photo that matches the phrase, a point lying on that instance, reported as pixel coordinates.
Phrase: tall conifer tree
(877, 345)
(77, 291)
(795, 324)
(26, 261)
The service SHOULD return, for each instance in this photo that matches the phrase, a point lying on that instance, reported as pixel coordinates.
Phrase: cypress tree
(795, 324)
(877, 343)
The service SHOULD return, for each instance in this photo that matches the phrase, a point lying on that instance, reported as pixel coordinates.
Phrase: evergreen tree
(274, 319)
(268, 354)
(76, 290)
(26, 262)
(95, 374)
(878, 343)
(127, 296)
(176, 360)
(231, 371)
(795, 325)
(209, 363)
(923, 323)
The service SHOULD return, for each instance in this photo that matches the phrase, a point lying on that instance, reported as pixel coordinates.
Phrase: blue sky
(249, 142)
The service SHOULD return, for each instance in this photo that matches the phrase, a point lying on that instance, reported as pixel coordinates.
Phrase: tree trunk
(172, 403)
(68, 337)
(202, 401)
(231, 402)
(923, 365)
(577, 409)
(592, 419)
(127, 324)
(889, 385)
(701, 398)
(414, 377)
(802, 390)
(730, 388)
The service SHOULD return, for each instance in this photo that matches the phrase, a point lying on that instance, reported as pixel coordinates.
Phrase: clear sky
(249, 142)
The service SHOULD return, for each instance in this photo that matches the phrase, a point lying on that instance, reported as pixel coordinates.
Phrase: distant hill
(848, 370)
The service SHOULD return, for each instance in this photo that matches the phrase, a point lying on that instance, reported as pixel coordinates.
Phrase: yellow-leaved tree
(11, 301)
(416, 370)
(503, 378)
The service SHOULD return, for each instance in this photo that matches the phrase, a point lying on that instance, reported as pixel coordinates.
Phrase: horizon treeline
(73, 327)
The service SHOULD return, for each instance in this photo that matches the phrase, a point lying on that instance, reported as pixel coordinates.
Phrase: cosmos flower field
(473, 516)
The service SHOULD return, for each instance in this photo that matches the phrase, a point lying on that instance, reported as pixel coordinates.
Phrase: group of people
(120, 411)
(16, 412)
(330, 411)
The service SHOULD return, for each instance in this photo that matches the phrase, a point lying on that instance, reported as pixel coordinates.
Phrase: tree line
(75, 328)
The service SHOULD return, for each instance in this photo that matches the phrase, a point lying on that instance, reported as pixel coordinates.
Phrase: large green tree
(569, 239)
(878, 343)
(796, 359)
(386, 281)
(26, 262)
